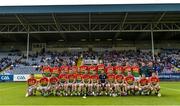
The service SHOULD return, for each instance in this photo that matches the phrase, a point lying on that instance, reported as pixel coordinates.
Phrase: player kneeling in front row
(53, 84)
(62, 84)
(110, 85)
(95, 86)
(44, 86)
(119, 84)
(71, 83)
(32, 84)
(86, 82)
(144, 86)
(78, 84)
(130, 84)
(154, 84)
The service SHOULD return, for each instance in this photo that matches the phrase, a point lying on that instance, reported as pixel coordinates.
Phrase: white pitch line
(8, 88)
(172, 89)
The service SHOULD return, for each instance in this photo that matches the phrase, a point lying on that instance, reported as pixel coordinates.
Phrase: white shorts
(30, 88)
(43, 87)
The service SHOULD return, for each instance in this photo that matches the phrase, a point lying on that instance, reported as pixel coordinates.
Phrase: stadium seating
(166, 61)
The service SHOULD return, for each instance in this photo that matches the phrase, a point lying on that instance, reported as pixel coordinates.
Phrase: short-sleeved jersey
(86, 78)
(53, 80)
(65, 69)
(62, 78)
(154, 80)
(44, 81)
(78, 78)
(110, 70)
(55, 71)
(83, 68)
(94, 78)
(119, 78)
(47, 71)
(74, 69)
(129, 79)
(31, 81)
(143, 81)
(111, 77)
(92, 69)
(71, 77)
(127, 69)
(135, 70)
(118, 68)
(100, 68)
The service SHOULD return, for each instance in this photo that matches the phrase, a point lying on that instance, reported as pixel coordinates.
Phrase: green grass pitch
(12, 93)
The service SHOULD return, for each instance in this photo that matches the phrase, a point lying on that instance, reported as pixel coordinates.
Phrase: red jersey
(110, 70)
(143, 81)
(86, 77)
(31, 81)
(154, 80)
(74, 69)
(119, 78)
(44, 81)
(62, 78)
(55, 70)
(53, 80)
(71, 77)
(130, 79)
(92, 69)
(100, 68)
(94, 78)
(46, 69)
(118, 68)
(135, 69)
(111, 77)
(78, 78)
(83, 68)
(65, 69)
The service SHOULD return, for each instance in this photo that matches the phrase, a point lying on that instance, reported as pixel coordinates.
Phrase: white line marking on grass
(172, 89)
(8, 88)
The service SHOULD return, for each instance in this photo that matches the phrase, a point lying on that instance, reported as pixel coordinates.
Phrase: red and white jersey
(130, 79)
(46, 69)
(31, 81)
(65, 69)
(118, 68)
(154, 80)
(92, 69)
(119, 78)
(143, 81)
(110, 70)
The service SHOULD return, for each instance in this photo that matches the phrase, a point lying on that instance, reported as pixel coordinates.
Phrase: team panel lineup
(93, 80)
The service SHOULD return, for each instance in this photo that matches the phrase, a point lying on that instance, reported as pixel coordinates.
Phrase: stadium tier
(166, 61)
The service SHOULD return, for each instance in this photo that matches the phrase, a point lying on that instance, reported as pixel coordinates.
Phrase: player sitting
(32, 83)
(54, 84)
(86, 82)
(103, 82)
(154, 83)
(111, 80)
(62, 83)
(44, 87)
(130, 84)
(95, 84)
(143, 85)
(78, 84)
(119, 83)
(71, 83)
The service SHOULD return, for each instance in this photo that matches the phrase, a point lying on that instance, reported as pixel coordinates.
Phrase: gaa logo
(21, 77)
(5, 78)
